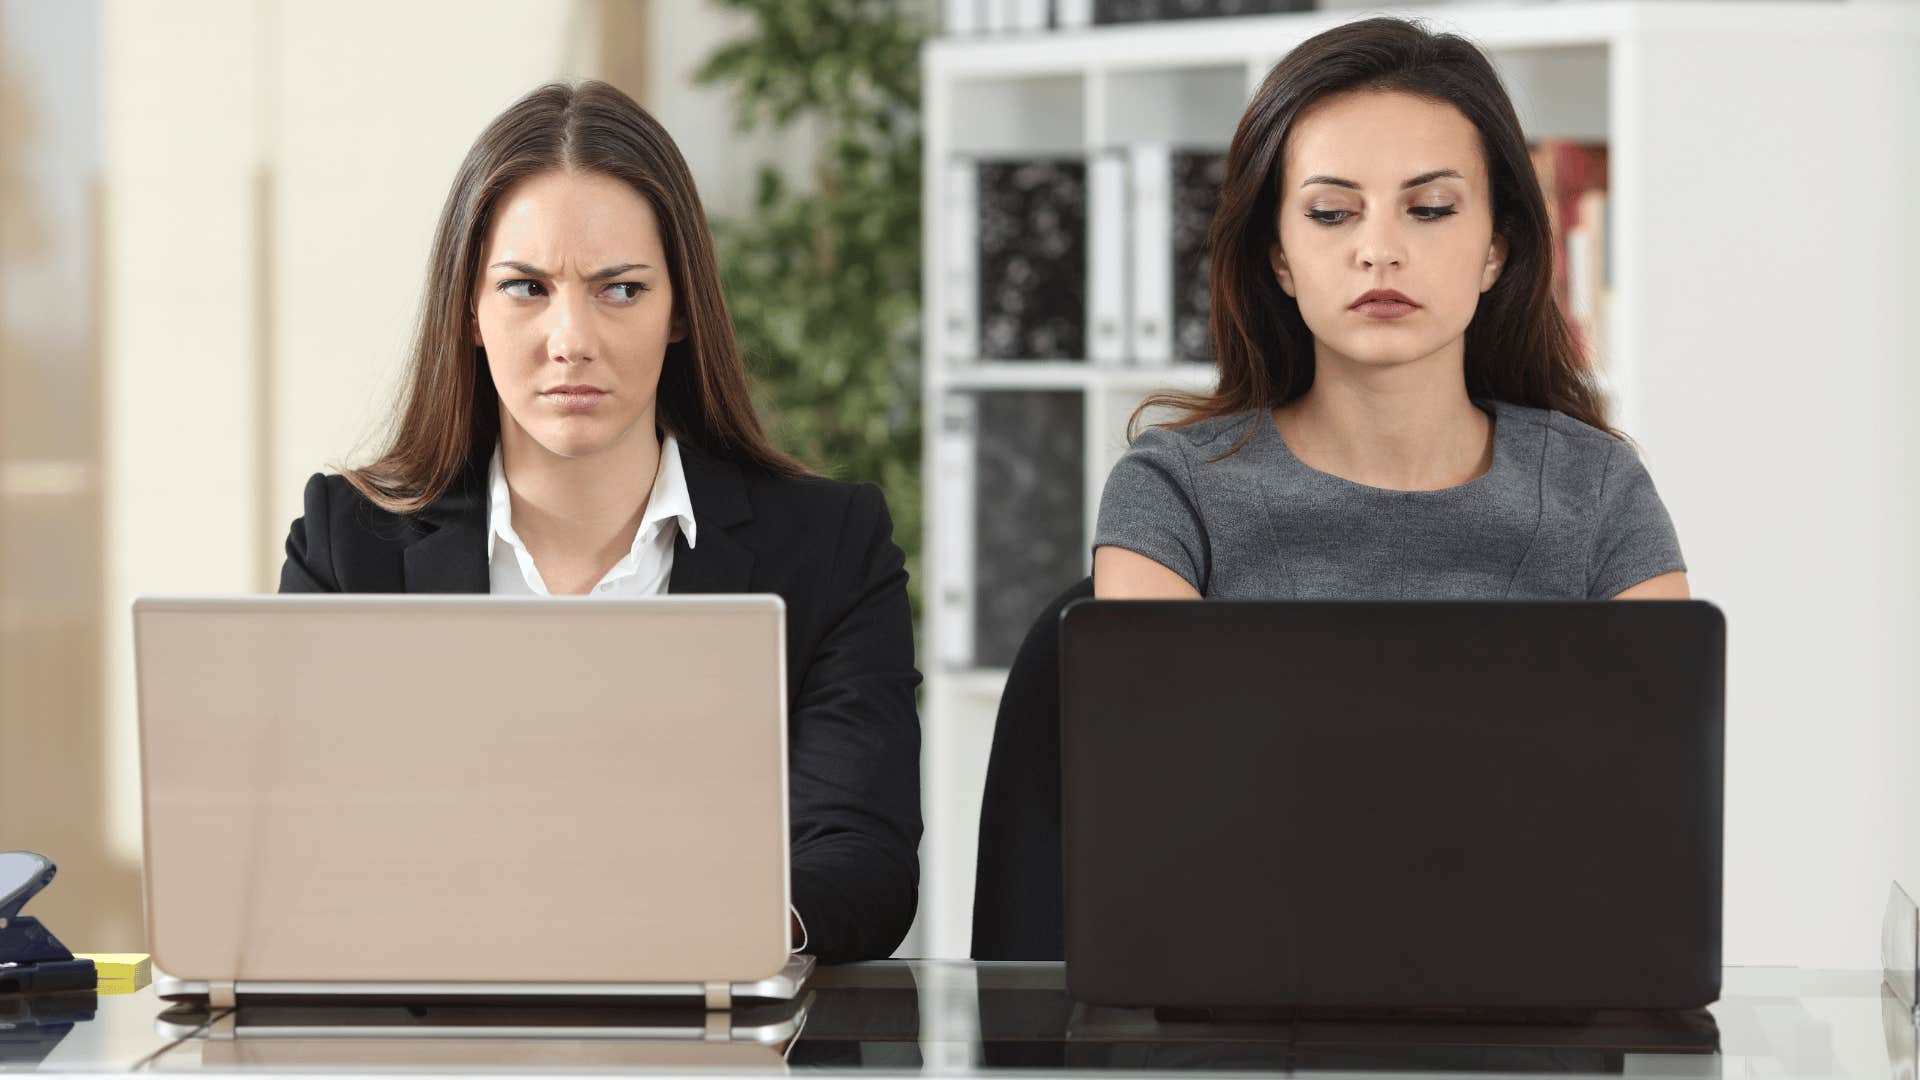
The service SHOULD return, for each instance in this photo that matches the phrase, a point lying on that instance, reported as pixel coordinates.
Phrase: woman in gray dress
(1402, 411)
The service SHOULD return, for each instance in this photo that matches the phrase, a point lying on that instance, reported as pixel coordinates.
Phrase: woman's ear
(1496, 261)
(1278, 261)
(677, 329)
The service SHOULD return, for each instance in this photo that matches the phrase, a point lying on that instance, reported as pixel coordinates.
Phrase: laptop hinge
(220, 994)
(719, 995)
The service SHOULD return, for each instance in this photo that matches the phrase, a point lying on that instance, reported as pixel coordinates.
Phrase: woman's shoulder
(345, 540)
(721, 479)
(339, 490)
(808, 495)
(346, 508)
(804, 527)
(1199, 443)
(792, 512)
(1563, 432)
(1560, 428)
(1578, 456)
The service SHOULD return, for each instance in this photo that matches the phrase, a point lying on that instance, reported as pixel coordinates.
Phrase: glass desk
(956, 1018)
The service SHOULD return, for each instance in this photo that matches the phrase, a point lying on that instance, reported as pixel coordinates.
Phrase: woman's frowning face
(575, 308)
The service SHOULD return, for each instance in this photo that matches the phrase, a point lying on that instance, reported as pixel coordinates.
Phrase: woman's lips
(1385, 309)
(575, 398)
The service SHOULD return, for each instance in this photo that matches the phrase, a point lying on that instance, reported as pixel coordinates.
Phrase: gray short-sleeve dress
(1565, 512)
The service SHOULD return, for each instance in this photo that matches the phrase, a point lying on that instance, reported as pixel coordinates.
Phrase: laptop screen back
(1502, 805)
(375, 789)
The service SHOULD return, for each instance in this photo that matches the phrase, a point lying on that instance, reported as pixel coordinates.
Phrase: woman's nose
(569, 335)
(1380, 245)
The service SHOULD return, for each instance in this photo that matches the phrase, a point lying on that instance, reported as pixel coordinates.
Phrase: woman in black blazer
(577, 421)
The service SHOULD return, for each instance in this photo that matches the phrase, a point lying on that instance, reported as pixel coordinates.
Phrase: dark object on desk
(32, 960)
(31, 1025)
(1499, 805)
(1016, 890)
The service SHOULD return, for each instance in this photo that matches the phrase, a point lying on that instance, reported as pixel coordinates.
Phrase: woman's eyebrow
(1423, 178)
(616, 270)
(598, 275)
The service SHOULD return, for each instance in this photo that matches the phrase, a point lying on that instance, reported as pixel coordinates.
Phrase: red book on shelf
(1567, 171)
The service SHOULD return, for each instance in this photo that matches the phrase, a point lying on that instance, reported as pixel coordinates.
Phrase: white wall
(1772, 268)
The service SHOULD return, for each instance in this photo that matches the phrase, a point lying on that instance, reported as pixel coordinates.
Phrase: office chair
(1017, 886)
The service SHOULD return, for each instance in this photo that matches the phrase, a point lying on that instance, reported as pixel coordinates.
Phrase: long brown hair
(450, 410)
(1518, 347)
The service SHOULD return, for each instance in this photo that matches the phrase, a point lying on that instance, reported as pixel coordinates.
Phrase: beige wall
(179, 408)
(272, 174)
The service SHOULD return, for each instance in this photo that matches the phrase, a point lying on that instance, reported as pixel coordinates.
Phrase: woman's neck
(1409, 427)
(578, 516)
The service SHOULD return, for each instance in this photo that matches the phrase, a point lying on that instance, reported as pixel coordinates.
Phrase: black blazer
(827, 549)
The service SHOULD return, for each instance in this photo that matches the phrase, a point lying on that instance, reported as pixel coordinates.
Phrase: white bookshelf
(1686, 93)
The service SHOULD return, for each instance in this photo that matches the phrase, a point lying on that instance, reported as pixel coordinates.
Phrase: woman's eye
(521, 288)
(625, 291)
(1423, 213)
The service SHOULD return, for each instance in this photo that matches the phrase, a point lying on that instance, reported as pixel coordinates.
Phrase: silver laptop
(461, 795)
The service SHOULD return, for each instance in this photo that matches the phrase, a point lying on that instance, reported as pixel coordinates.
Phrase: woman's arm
(1119, 574)
(854, 752)
(1636, 553)
(1670, 586)
(309, 565)
(1149, 542)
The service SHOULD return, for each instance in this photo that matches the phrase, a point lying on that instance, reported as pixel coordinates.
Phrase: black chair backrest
(1016, 887)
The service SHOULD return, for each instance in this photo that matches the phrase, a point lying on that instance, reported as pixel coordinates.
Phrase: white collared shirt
(643, 571)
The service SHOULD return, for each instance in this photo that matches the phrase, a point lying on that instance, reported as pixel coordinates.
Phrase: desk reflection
(952, 1018)
(1027, 1021)
(31, 1025)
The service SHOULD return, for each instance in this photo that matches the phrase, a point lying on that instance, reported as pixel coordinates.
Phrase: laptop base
(782, 986)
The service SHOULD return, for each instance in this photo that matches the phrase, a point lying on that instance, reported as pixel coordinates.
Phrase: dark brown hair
(450, 409)
(1518, 346)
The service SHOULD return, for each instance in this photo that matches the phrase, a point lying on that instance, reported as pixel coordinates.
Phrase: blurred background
(216, 215)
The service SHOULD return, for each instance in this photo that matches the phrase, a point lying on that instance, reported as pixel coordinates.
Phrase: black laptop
(1418, 805)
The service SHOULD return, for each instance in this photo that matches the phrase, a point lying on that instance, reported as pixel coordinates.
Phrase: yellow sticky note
(120, 973)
